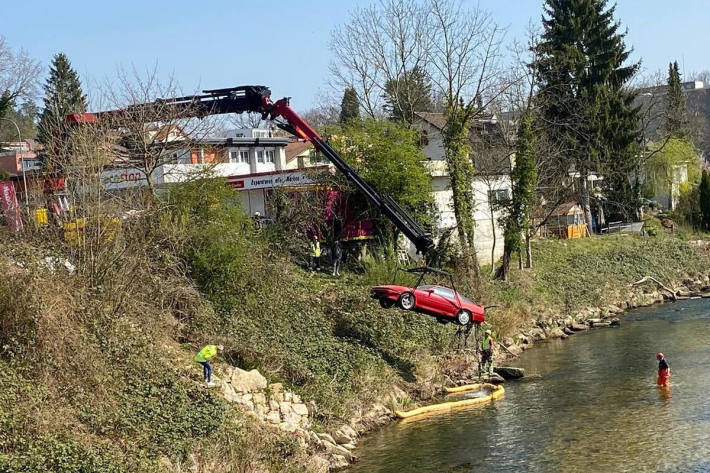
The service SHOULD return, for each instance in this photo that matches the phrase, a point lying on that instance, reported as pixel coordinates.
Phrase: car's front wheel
(386, 303)
(406, 301)
(463, 317)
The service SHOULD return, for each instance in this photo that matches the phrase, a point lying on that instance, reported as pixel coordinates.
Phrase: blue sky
(279, 43)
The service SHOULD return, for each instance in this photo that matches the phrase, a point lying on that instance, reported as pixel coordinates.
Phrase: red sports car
(446, 304)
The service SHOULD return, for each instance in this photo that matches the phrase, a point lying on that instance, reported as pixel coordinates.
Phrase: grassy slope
(91, 385)
(569, 275)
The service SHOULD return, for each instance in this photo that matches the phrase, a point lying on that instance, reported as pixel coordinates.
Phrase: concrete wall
(485, 230)
(434, 149)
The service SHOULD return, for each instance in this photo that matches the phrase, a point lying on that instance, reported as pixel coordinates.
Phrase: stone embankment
(332, 450)
(286, 411)
(562, 326)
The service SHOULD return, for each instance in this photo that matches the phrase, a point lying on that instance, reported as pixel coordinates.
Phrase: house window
(316, 158)
(498, 196)
(269, 156)
(233, 157)
(259, 156)
(423, 138)
(244, 157)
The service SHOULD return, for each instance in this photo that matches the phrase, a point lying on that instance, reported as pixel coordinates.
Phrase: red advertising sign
(10, 207)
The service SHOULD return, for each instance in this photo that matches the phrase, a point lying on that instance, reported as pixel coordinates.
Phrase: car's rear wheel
(386, 303)
(463, 317)
(406, 301)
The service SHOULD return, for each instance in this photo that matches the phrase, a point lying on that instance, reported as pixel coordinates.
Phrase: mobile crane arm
(257, 99)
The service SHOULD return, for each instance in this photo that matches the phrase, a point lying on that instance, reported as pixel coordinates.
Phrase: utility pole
(22, 161)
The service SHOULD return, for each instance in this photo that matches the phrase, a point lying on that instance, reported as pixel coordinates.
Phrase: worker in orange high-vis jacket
(664, 371)
(203, 357)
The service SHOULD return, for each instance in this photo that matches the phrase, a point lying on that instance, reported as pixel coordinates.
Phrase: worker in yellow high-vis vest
(203, 357)
(314, 247)
(487, 352)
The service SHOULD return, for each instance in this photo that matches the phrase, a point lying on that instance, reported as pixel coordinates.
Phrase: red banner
(10, 207)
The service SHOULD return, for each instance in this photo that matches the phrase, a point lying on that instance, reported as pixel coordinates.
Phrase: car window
(444, 292)
(425, 287)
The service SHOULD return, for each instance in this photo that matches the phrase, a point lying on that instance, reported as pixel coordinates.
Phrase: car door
(423, 296)
(443, 301)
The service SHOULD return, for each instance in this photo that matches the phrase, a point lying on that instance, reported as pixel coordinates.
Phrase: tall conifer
(62, 96)
(582, 70)
(350, 107)
(675, 121)
(408, 94)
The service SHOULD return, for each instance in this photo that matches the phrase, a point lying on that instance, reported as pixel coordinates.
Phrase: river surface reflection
(593, 409)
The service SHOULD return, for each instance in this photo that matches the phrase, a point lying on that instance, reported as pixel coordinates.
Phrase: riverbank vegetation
(99, 326)
(96, 363)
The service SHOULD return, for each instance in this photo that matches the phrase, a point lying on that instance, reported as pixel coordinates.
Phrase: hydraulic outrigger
(257, 99)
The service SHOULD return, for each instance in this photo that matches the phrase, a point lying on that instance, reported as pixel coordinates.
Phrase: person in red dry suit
(664, 371)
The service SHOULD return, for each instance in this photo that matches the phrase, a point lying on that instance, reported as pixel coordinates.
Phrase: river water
(593, 408)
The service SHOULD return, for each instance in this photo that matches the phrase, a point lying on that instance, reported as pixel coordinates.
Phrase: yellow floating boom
(497, 392)
(469, 387)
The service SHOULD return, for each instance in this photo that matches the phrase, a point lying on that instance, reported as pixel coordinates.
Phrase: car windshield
(466, 299)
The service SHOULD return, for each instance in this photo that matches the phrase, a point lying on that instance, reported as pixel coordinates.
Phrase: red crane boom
(257, 99)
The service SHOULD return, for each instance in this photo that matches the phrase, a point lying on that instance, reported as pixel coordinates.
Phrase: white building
(254, 161)
(667, 194)
(490, 186)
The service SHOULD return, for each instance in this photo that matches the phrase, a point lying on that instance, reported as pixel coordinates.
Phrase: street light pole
(22, 161)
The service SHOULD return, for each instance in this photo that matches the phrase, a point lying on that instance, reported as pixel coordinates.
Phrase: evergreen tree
(705, 200)
(408, 94)
(581, 70)
(62, 96)
(675, 121)
(5, 103)
(619, 164)
(350, 107)
(524, 183)
(24, 116)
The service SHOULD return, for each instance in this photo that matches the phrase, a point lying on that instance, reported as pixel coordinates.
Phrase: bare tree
(378, 49)
(456, 48)
(492, 165)
(248, 120)
(465, 54)
(326, 112)
(553, 182)
(18, 75)
(152, 132)
(465, 57)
